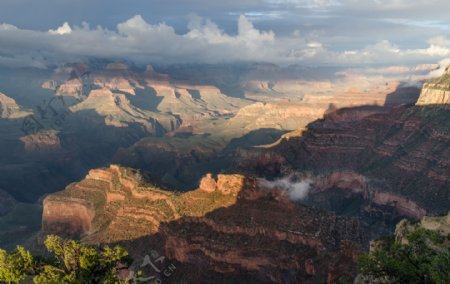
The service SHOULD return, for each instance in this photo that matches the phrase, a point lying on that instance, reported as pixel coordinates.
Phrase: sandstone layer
(403, 155)
(228, 229)
(10, 109)
(436, 92)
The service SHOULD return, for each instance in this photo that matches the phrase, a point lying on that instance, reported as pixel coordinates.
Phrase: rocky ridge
(209, 226)
(10, 109)
(397, 159)
(124, 96)
(398, 153)
(436, 92)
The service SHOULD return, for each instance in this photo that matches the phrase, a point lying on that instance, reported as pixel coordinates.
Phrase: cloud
(62, 30)
(296, 190)
(438, 72)
(203, 42)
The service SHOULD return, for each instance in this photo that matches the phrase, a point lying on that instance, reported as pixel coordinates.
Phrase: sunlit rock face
(93, 203)
(396, 161)
(436, 92)
(230, 225)
(10, 109)
(125, 96)
(404, 149)
(440, 224)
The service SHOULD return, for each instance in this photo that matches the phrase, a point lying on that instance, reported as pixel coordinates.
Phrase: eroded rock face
(227, 229)
(405, 151)
(440, 224)
(103, 189)
(67, 218)
(358, 184)
(41, 142)
(10, 109)
(436, 92)
(123, 97)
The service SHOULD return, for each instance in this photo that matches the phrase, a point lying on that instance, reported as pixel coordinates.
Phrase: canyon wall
(402, 153)
(436, 92)
(229, 225)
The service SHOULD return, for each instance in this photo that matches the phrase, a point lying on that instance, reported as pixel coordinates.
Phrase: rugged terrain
(10, 109)
(229, 229)
(85, 116)
(380, 166)
(436, 92)
(370, 156)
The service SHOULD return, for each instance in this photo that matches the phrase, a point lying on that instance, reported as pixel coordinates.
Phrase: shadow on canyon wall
(48, 162)
(261, 238)
(405, 152)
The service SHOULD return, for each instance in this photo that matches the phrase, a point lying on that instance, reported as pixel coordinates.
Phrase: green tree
(75, 262)
(70, 262)
(423, 257)
(15, 267)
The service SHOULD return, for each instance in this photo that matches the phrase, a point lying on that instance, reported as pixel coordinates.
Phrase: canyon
(85, 116)
(165, 161)
(222, 225)
(380, 166)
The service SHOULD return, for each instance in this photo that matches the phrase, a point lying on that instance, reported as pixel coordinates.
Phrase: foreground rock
(228, 229)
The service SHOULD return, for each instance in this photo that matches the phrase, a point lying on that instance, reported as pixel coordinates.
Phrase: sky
(310, 32)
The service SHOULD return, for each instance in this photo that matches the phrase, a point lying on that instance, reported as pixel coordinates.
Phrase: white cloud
(62, 30)
(296, 190)
(204, 42)
(443, 65)
(6, 27)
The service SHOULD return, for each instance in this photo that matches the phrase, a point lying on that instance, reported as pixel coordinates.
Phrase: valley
(148, 158)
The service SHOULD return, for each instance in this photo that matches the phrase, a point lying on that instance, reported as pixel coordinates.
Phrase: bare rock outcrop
(45, 141)
(10, 109)
(225, 225)
(404, 151)
(436, 92)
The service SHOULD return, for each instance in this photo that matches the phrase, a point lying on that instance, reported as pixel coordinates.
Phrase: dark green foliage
(71, 262)
(423, 257)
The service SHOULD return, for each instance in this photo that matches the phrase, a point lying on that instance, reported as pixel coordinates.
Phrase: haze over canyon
(244, 145)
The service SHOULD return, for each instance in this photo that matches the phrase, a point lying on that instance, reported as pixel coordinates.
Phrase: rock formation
(10, 109)
(231, 226)
(124, 96)
(402, 155)
(436, 92)
(398, 160)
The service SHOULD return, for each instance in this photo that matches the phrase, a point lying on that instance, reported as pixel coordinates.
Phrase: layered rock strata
(228, 229)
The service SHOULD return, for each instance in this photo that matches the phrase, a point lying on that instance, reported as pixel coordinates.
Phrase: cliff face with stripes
(436, 92)
(378, 166)
(374, 163)
(230, 225)
(396, 163)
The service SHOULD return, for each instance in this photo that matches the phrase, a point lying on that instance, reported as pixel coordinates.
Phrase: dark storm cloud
(280, 31)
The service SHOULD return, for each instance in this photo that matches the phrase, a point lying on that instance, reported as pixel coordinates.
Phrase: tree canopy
(69, 262)
(422, 257)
